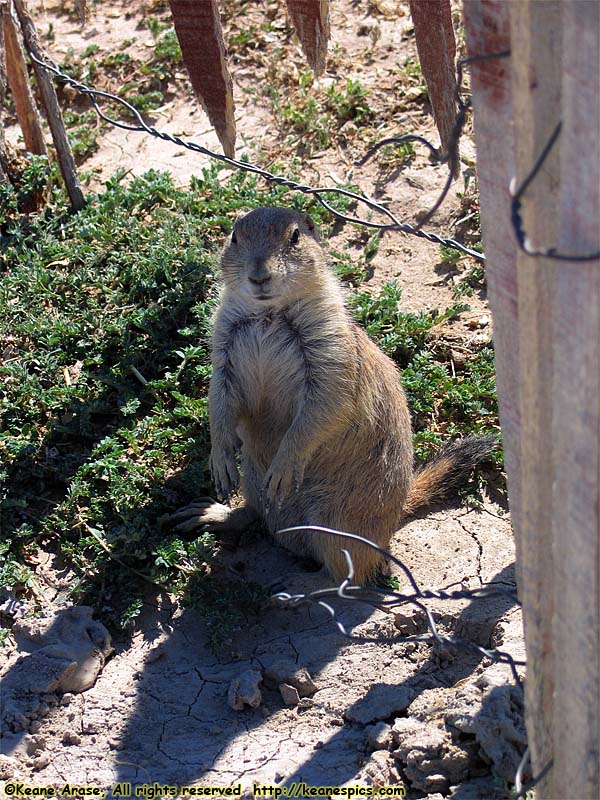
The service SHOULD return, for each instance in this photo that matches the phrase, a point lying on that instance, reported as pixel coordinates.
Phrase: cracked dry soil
(292, 700)
(439, 720)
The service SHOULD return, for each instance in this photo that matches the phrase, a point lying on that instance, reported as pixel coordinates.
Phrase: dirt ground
(163, 708)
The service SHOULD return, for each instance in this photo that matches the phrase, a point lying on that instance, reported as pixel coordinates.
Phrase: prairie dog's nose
(259, 281)
(260, 274)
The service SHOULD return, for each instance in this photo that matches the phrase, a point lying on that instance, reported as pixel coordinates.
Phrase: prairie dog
(310, 405)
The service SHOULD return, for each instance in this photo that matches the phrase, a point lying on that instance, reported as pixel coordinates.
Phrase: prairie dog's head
(273, 256)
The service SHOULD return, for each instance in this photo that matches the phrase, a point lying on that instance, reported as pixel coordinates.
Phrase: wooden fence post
(549, 379)
(18, 79)
(536, 80)
(436, 47)
(3, 87)
(53, 115)
(576, 422)
(488, 31)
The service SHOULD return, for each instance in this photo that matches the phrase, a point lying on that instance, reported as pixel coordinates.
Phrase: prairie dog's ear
(233, 235)
(310, 224)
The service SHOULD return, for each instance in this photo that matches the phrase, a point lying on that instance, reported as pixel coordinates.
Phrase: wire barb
(378, 597)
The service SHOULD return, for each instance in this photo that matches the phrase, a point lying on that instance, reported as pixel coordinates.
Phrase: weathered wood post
(18, 80)
(436, 47)
(547, 331)
(49, 99)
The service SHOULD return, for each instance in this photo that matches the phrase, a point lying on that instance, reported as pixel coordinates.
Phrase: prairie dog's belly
(261, 434)
(271, 378)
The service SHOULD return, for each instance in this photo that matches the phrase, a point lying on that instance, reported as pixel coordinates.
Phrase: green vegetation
(444, 402)
(84, 130)
(472, 280)
(351, 269)
(317, 115)
(412, 84)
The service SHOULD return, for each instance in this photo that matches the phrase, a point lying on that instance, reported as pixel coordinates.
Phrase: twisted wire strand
(142, 126)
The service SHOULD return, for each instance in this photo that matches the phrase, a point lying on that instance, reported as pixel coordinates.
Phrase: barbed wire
(143, 126)
(377, 597)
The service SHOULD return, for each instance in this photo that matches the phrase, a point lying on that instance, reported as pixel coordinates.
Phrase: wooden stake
(311, 22)
(536, 84)
(198, 28)
(575, 581)
(487, 27)
(52, 109)
(3, 87)
(436, 46)
(18, 79)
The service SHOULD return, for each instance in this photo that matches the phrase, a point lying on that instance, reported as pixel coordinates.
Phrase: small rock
(66, 650)
(379, 770)
(499, 727)
(71, 738)
(435, 783)
(8, 767)
(289, 694)
(34, 745)
(244, 690)
(431, 761)
(41, 761)
(410, 622)
(379, 736)
(288, 672)
(367, 26)
(89, 728)
(477, 788)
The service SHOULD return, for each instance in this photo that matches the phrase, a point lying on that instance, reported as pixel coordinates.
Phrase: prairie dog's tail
(444, 473)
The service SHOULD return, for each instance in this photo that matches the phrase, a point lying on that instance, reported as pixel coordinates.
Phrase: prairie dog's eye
(233, 238)
(295, 237)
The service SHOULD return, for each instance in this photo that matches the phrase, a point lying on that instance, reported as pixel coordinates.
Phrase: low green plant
(167, 48)
(349, 268)
(445, 403)
(412, 84)
(449, 255)
(473, 279)
(84, 130)
(317, 115)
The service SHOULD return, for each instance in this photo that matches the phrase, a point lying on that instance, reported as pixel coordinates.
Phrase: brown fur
(313, 408)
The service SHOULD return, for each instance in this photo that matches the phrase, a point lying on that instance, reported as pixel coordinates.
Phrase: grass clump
(445, 403)
(318, 115)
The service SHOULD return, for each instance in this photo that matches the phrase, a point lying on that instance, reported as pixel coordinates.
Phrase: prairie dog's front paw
(224, 471)
(283, 478)
(205, 514)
